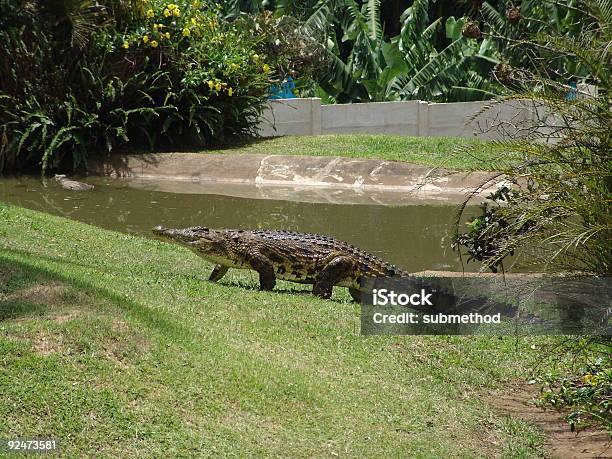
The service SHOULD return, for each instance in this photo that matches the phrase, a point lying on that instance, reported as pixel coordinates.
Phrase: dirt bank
(518, 401)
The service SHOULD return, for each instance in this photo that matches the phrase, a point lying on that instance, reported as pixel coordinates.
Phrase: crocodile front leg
(334, 272)
(217, 273)
(261, 264)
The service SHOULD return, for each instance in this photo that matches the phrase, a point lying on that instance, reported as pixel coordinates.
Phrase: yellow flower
(154, 44)
(167, 35)
(176, 12)
(126, 45)
(186, 32)
(167, 12)
(234, 66)
(155, 27)
(266, 68)
(589, 379)
(150, 13)
(255, 57)
(145, 39)
(218, 86)
(193, 21)
(211, 84)
(230, 92)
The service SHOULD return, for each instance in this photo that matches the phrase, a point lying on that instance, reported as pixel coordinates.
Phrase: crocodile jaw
(185, 236)
(208, 244)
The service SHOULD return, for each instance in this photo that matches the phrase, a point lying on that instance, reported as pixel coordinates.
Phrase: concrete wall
(487, 120)
(400, 118)
(411, 118)
(291, 117)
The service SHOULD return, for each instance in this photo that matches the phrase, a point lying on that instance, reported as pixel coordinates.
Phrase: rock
(72, 185)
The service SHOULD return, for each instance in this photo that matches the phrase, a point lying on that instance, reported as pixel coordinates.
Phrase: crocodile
(72, 185)
(305, 258)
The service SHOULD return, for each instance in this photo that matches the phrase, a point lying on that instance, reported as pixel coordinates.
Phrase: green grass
(117, 346)
(449, 152)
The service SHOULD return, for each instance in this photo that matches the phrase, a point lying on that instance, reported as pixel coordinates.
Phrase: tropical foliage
(555, 215)
(436, 50)
(368, 65)
(78, 77)
(558, 208)
(511, 22)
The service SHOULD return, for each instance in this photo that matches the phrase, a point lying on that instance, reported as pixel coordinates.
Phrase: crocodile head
(200, 239)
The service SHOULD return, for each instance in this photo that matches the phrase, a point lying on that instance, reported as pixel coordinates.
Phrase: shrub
(292, 49)
(580, 385)
(153, 75)
(586, 394)
(558, 211)
(556, 215)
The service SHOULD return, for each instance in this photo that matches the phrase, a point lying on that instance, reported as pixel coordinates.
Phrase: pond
(414, 235)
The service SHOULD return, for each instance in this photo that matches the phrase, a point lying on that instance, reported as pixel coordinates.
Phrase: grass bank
(117, 346)
(448, 152)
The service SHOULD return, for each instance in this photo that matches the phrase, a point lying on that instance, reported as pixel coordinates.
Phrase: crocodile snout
(159, 230)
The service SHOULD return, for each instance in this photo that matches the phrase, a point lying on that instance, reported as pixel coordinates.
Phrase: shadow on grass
(20, 275)
(241, 142)
(304, 292)
(12, 281)
(236, 142)
(15, 309)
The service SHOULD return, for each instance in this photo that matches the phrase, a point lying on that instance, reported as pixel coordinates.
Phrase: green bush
(583, 391)
(557, 215)
(435, 50)
(76, 79)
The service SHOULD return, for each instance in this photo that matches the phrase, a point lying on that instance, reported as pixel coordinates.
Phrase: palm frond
(85, 18)
(494, 18)
(408, 86)
(319, 19)
(373, 18)
(414, 19)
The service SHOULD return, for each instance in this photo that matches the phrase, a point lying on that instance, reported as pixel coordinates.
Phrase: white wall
(411, 118)
(291, 117)
(400, 118)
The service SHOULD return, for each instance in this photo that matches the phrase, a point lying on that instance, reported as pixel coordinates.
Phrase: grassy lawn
(117, 346)
(450, 152)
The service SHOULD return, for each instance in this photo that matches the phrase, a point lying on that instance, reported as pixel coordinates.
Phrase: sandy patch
(519, 402)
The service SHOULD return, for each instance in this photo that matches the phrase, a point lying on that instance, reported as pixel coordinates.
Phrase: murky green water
(415, 237)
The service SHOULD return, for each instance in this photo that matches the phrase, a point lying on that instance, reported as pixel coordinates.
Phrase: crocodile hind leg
(334, 272)
(261, 264)
(217, 273)
(355, 293)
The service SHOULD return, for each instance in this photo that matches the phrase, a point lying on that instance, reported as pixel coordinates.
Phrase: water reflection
(415, 237)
